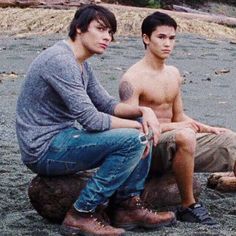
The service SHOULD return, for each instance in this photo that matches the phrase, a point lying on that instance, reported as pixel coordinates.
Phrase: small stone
(222, 71)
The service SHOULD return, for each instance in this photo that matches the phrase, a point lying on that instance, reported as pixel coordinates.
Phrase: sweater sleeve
(99, 96)
(64, 75)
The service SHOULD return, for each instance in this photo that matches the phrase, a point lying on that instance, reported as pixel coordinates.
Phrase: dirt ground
(207, 65)
(208, 93)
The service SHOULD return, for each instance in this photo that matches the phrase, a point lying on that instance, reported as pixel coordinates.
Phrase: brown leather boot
(89, 224)
(131, 214)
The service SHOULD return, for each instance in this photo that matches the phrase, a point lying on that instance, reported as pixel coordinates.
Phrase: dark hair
(88, 13)
(151, 22)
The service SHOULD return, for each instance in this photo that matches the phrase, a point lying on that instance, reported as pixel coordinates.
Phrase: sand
(208, 97)
(209, 70)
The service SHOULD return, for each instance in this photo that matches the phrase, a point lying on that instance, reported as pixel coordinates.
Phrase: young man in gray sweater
(60, 89)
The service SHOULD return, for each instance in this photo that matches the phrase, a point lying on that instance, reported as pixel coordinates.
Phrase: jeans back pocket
(63, 139)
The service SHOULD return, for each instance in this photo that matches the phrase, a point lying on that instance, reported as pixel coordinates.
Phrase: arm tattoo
(125, 91)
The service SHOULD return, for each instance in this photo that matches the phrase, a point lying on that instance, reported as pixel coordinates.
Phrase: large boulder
(163, 191)
(235, 169)
(53, 196)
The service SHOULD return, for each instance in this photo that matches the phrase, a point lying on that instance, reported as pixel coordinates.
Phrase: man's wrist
(143, 109)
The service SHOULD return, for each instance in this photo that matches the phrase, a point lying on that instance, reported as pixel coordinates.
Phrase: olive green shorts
(213, 152)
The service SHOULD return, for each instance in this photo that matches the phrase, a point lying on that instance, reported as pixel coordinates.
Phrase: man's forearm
(166, 127)
(124, 110)
(149, 121)
(117, 122)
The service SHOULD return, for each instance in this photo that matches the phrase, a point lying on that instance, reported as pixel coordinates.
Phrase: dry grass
(23, 22)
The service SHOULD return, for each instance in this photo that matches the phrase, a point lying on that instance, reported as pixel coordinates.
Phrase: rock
(53, 196)
(222, 181)
(235, 169)
(222, 71)
(227, 184)
(163, 191)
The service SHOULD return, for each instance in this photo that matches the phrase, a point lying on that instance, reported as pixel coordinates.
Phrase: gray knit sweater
(55, 94)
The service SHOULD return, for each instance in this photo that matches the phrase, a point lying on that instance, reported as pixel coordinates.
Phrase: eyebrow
(160, 34)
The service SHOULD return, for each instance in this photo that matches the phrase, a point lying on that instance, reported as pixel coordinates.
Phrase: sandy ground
(208, 93)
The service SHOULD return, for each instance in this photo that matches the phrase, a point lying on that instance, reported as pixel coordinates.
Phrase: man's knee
(227, 141)
(186, 139)
(131, 142)
(227, 148)
(229, 137)
(132, 136)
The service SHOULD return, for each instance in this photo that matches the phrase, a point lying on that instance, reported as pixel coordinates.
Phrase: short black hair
(151, 22)
(88, 13)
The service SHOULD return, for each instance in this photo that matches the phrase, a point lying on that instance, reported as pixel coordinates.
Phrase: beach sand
(207, 65)
(208, 94)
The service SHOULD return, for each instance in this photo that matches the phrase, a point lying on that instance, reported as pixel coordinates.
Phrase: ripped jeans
(116, 152)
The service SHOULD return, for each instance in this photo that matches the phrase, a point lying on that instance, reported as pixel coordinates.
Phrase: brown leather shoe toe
(88, 224)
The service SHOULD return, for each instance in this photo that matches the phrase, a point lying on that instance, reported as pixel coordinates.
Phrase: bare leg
(183, 165)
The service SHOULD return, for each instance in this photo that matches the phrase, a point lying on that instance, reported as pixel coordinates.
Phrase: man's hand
(147, 150)
(209, 129)
(185, 124)
(150, 121)
(198, 127)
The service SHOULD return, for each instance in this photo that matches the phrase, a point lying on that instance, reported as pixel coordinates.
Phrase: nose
(107, 35)
(167, 42)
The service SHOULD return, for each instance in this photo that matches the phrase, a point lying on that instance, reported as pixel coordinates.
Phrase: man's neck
(80, 52)
(154, 62)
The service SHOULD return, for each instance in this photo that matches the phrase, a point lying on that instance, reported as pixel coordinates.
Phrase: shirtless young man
(185, 144)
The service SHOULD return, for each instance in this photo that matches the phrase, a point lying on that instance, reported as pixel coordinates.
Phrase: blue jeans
(116, 152)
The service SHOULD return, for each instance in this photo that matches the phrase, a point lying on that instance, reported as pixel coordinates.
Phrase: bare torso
(157, 89)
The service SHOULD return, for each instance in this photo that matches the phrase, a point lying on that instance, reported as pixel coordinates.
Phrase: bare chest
(159, 92)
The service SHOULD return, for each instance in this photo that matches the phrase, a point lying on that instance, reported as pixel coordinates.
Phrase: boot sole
(72, 231)
(136, 225)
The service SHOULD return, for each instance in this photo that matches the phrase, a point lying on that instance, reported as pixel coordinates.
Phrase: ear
(78, 30)
(146, 39)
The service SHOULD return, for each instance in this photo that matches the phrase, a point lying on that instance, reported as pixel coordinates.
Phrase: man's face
(161, 42)
(97, 38)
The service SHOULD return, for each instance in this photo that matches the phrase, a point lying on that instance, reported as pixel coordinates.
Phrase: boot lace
(144, 206)
(98, 220)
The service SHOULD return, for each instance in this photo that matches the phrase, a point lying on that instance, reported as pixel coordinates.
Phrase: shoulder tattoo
(125, 90)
